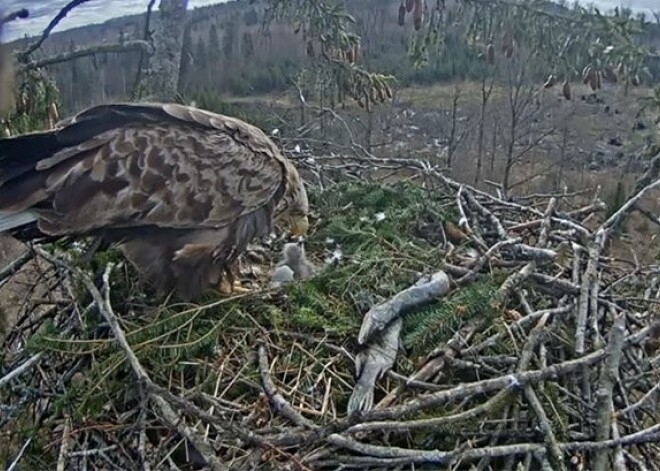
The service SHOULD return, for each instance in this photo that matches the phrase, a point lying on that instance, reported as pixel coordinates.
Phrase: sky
(94, 11)
(98, 11)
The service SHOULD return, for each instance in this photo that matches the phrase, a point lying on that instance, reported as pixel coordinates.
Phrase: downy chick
(282, 274)
(293, 256)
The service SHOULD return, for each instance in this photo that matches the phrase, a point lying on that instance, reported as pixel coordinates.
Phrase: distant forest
(227, 51)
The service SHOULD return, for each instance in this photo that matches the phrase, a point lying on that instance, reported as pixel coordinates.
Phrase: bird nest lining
(506, 367)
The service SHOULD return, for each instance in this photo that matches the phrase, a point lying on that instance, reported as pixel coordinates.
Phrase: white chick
(293, 256)
(281, 275)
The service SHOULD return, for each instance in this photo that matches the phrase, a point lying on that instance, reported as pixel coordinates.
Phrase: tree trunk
(161, 80)
(493, 148)
(455, 94)
(6, 82)
(480, 145)
(485, 96)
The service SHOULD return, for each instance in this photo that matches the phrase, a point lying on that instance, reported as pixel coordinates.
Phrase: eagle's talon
(225, 288)
(234, 288)
(241, 290)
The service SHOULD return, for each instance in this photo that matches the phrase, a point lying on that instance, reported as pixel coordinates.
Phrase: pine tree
(229, 41)
(201, 56)
(214, 41)
(248, 46)
(201, 60)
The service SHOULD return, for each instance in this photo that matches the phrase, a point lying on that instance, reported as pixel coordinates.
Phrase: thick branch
(171, 417)
(608, 377)
(424, 291)
(276, 399)
(20, 370)
(445, 457)
(128, 46)
(615, 220)
(515, 380)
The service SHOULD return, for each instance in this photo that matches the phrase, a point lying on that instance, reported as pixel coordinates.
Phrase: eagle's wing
(128, 165)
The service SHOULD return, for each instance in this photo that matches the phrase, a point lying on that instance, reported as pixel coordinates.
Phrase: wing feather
(135, 165)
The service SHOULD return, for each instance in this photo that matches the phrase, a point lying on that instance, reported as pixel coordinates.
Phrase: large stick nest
(541, 356)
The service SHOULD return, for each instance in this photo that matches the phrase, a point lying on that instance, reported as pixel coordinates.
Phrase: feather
(181, 190)
(282, 274)
(293, 256)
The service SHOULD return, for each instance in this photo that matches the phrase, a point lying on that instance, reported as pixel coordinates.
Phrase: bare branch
(17, 15)
(515, 380)
(276, 399)
(51, 26)
(20, 370)
(171, 417)
(128, 46)
(404, 455)
(608, 377)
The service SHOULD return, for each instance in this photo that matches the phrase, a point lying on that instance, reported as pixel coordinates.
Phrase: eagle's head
(293, 208)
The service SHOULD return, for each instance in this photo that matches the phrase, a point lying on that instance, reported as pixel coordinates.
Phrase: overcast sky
(98, 11)
(95, 11)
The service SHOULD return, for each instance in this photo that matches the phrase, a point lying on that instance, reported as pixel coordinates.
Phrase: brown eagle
(180, 190)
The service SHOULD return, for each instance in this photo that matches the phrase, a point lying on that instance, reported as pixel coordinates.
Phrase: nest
(541, 351)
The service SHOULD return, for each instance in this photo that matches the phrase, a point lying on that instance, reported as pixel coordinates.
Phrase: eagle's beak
(299, 226)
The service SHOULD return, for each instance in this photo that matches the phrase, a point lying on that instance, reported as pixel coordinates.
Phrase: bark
(6, 79)
(161, 80)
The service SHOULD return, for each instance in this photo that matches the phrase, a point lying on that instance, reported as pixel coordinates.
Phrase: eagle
(179, 190)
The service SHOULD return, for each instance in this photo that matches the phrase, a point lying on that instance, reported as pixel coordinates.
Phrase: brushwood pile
(542, 354)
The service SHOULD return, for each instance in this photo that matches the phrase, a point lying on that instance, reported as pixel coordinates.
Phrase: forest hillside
(227, 50)
(468, 278)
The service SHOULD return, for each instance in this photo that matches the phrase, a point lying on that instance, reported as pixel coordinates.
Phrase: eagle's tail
(11, 221)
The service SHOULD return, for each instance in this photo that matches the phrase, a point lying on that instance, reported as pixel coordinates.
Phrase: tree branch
(128, 46)
(608, 377)
(105, 307)
(514, 380)
(407, 456)
(19, 14)
(51, 26)
(20, 370)
(276, 399)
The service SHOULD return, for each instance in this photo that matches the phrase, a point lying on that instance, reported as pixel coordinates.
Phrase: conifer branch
(171, 417)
